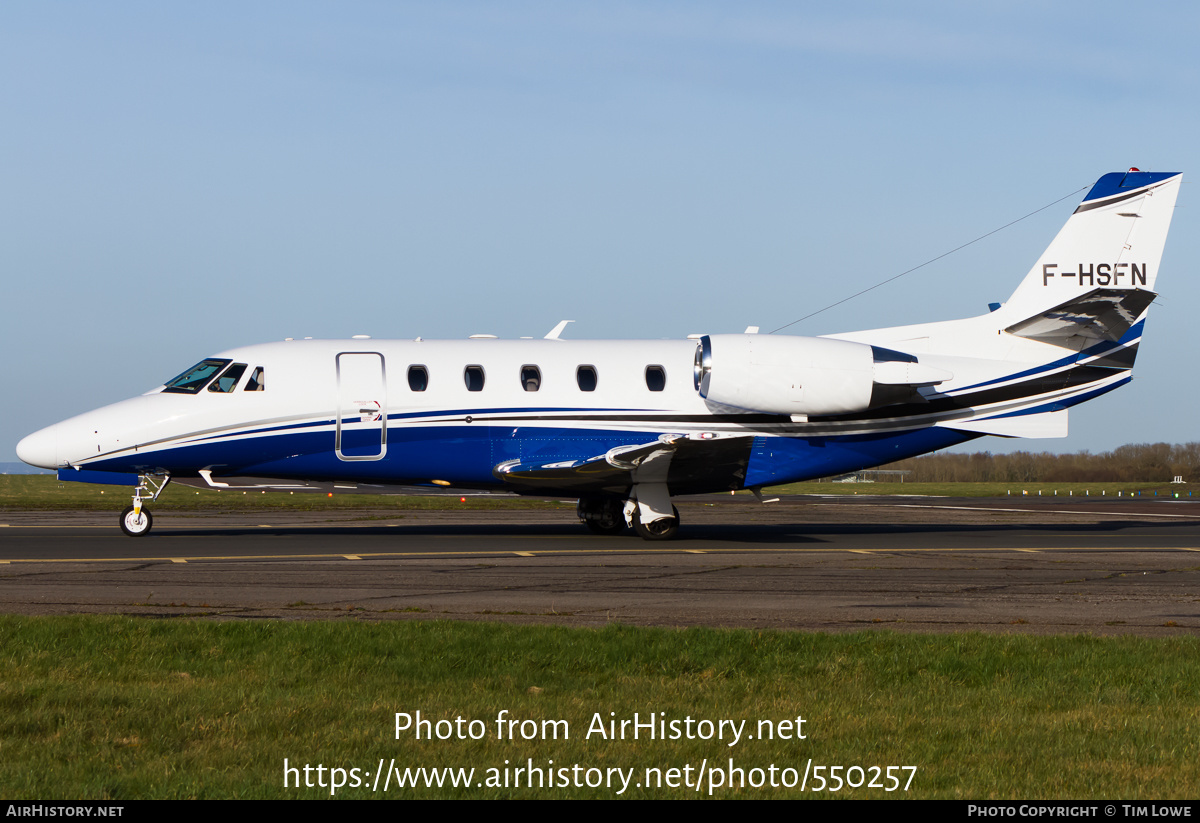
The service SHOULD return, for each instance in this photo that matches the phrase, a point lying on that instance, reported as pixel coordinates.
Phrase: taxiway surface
(837, 563)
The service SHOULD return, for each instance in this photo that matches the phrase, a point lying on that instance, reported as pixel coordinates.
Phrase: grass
(46, 493)
(120, 708)
(994, 489)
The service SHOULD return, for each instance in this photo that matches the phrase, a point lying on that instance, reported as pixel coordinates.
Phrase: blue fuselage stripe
(465, 455)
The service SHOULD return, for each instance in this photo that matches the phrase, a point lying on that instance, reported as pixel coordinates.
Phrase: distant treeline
(1137, 462)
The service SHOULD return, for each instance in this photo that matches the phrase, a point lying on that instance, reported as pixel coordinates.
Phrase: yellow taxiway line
(586, 552)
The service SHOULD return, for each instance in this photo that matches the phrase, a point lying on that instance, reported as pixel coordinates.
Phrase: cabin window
(418, 378)
(473, 377)
(656, 378)
(257, 381)
(228, 380)
(586, 377)
(195, 378)
(531, 378)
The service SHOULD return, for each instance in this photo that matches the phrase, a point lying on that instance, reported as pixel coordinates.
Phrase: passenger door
(361, 431)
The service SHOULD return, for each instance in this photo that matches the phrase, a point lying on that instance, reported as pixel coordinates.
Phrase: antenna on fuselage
(557, 330)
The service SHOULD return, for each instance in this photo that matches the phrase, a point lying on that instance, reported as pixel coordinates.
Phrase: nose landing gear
(136, 523)
(136, 520)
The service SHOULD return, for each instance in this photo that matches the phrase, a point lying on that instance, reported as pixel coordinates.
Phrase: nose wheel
(136, 523)
(136, 520)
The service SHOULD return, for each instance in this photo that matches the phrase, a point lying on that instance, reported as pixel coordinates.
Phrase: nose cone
(40, 448)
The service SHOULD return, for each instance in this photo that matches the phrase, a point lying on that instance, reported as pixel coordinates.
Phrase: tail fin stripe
(1098, 204)
(1124, 183)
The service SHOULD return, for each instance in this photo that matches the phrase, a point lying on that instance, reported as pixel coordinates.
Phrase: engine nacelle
(805, 375)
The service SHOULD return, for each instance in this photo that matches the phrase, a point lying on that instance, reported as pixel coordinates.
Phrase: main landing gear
(664, 528)
(602, 515)
(610, 516)
(136, 520)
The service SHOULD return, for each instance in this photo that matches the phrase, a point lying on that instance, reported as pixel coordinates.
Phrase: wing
(679, 460)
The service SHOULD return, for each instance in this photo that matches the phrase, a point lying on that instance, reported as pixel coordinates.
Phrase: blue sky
(178, 179)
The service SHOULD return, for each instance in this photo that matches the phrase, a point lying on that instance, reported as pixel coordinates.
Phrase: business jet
(626, 425)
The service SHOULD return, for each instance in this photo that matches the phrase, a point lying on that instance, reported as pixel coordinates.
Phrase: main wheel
(663, 529)
(136, 525)
(605, 517)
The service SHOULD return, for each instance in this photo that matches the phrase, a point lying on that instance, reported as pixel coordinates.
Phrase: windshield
(195, 378)
(228, 380)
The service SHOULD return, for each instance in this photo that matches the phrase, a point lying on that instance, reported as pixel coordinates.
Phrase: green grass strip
(46, 493)
(122, 708)
(1013, 490)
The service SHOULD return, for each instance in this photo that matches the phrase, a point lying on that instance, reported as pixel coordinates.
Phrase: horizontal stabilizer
(1101, 314)
(1046, 424)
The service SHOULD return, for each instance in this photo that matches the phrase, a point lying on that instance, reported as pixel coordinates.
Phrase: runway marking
(527, 537)
(1105, 514)
(585, 553)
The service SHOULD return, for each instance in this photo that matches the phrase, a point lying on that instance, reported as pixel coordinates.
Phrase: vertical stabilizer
(1113, 243)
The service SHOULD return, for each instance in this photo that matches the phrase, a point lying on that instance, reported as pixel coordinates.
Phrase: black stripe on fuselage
(1059, 381)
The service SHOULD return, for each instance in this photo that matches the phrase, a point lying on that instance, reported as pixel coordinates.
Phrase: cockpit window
(229, 378)
(195, 378)
(257, 381)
